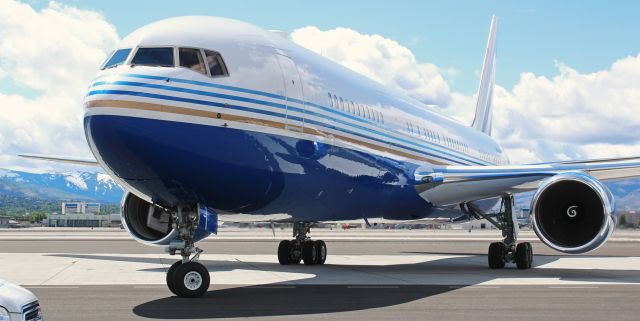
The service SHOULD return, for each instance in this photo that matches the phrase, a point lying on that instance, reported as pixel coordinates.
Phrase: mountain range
(78, 186)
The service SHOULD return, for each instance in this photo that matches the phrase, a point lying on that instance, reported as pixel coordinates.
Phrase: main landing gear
(186, 278)
(302, 248)
(507, 251)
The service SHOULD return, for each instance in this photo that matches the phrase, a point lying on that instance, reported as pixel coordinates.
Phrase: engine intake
(573, 213)
(152, 225)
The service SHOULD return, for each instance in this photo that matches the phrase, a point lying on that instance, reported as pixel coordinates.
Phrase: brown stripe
(268, 123)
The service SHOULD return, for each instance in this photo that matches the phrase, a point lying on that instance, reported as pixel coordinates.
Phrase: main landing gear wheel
(506, 251)
(170, 273)
(191, 280)
(321, 249)
(288, 254)
(309, 253)
(497, 251)
(524, 255)
(302, 248)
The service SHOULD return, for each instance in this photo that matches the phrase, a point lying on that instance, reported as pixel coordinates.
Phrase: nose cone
(120, 145)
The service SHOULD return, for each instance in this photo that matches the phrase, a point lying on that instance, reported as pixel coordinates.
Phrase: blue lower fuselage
(251, 172)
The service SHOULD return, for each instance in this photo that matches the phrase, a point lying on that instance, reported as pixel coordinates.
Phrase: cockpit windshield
(160, 56)
(117, 58)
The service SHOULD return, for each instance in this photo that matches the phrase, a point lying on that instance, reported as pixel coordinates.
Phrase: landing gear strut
(507, 251)
(302, 248)
(186, 278)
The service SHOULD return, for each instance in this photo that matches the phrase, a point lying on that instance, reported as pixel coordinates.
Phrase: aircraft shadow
(341, 288)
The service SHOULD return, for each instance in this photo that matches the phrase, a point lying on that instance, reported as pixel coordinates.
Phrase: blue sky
(586, 35)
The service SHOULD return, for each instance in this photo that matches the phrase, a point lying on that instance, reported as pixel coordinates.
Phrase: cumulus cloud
(53, 54)
(380, 59)
(572, 115)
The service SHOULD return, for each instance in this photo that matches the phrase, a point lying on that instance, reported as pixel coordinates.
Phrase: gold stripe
(248, 120)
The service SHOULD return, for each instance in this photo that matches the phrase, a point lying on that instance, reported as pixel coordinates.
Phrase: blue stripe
(281, 106)
(271, 95)
(260, 111)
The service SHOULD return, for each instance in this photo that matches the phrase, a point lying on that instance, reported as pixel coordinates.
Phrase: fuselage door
(294, 94)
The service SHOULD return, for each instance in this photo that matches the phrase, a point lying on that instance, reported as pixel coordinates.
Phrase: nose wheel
(188, 280)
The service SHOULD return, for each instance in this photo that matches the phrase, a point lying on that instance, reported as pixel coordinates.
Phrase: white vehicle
(18, 303)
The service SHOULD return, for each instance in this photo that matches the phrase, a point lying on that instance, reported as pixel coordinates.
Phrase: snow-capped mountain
(82, 186)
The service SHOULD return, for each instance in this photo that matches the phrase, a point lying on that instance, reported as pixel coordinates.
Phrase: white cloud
(53, 52)
(573, 115)
(380, 59)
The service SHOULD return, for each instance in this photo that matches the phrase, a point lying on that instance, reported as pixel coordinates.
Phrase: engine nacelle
(152, 225)
(573, 213)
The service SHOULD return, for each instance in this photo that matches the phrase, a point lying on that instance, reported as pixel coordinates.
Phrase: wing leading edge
(450, 185)
(63, 159)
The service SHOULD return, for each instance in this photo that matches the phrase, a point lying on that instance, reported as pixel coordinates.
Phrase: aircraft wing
(448, 185)
(64, 159)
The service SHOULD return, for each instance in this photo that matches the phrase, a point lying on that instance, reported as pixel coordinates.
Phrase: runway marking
(52, 287)
(361, 271)
(473, 287)
(372, 287)
(573, 287)
(149, 286)
(274, 287)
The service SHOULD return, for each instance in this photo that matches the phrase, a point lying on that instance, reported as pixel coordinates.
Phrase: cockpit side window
(192, 59)
(217, 67)
(117, 58)
(159, 56)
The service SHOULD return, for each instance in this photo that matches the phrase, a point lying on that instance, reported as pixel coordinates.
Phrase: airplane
(205, 119)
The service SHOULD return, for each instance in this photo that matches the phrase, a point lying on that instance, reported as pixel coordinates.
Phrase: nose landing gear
(186, 278)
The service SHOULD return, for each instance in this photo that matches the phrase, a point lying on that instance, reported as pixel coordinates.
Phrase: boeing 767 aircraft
(206, 119)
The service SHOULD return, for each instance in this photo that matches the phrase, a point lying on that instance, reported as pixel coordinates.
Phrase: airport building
(82, 214)
(83, 220)
(80, 208)
(4, 221)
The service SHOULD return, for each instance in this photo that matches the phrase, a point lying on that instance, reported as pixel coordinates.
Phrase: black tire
(524, 255)
(170, 272)
(321, 249)
(309, 253)
(496, 255)
(191, 280)
(296, 254)
(284, 252)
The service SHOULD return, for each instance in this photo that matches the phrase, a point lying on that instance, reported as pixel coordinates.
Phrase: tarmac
(102, 274)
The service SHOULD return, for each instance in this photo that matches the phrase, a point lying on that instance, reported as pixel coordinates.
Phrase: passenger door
(294, 94)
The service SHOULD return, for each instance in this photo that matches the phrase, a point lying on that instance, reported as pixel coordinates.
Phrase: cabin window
(192, 59)
(217, 68)
(117, 58)
(158, 57)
